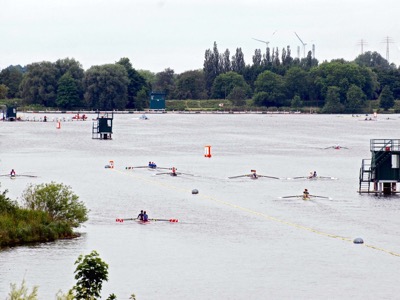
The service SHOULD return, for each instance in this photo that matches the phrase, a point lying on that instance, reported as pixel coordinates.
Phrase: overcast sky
(160, 34)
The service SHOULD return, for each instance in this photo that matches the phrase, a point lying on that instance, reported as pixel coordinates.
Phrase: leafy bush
(90, 272)
(6, 204)
(58, 200)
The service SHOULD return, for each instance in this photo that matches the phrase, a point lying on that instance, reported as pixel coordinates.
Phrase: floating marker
(207, 151)
(195, 191)
(58, 126)
(358, 241)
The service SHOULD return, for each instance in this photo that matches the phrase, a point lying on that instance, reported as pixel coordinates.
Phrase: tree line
(273, 79)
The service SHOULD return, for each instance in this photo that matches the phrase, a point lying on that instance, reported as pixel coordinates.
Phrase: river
(235, 239)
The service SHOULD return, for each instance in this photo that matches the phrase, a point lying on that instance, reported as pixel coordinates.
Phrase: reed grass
(24, 226)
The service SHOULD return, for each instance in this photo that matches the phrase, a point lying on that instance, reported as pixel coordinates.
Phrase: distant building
(103, 126)
(382, 171)
(157, 101)
(11, 113)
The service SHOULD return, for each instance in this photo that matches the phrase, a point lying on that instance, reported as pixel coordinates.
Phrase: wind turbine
(304, 45)
(267, 43)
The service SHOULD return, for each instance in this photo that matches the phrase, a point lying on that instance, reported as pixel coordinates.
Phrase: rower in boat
(306, 195)
(173, 172)
(336, 147)
(145, 217)
(12, 173)
(312, 175)
(140, 216)
(254, 174)
(152, 165)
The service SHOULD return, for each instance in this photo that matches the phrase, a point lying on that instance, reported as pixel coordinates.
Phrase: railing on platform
(385, 145)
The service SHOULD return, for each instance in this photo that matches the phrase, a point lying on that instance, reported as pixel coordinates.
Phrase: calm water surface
(236, 239)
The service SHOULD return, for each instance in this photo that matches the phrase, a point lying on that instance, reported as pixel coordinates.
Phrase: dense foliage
(53, 213)
(58, 201)
(273, 79)
(90, 273)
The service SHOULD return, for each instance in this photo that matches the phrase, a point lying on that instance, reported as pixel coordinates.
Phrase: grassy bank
(227, 105)
(216, 105)
(50, 212)
(23, 226)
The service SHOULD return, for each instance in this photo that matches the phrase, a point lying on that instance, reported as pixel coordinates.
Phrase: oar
(164, 173)
(131, 168)
(165, 220)
(238, 176)
(319, 196)
(33, 176)
(185, 174)
(127, 219)
(273, 177)
(295, 196)
(326, 177)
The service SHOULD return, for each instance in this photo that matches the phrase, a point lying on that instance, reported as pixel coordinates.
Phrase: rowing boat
(313, 178)
(119, 220)
(142, 221)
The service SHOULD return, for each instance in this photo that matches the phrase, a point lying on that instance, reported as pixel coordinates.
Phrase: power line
(362, 43)
(388, 40)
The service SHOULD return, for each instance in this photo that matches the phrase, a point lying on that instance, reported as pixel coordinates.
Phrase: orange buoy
(58, 125)
(207, 151)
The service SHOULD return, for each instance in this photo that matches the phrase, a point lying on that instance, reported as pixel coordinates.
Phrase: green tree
(6, 204)
(226, 62)
(142, 99)
(273, 85)
(238, 64)
(296, 102)
(355, 99)
(191, 85)
(372, 60)
(3, 91)
(12, 77)
(341, 74)
(90, 273)
(225, 83)
(332, 101)
(391, 78)
(264, 99)
(67, 92)
(106, 87)
(58, 200)
(39, 84)
(149, 76)
(136, 82)
(296, 82)
(165, 82)
(212, 66)
(238, 96)
(74, 68)
(386, 99)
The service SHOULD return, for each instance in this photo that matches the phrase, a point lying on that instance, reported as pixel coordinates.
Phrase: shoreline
(159, 112)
